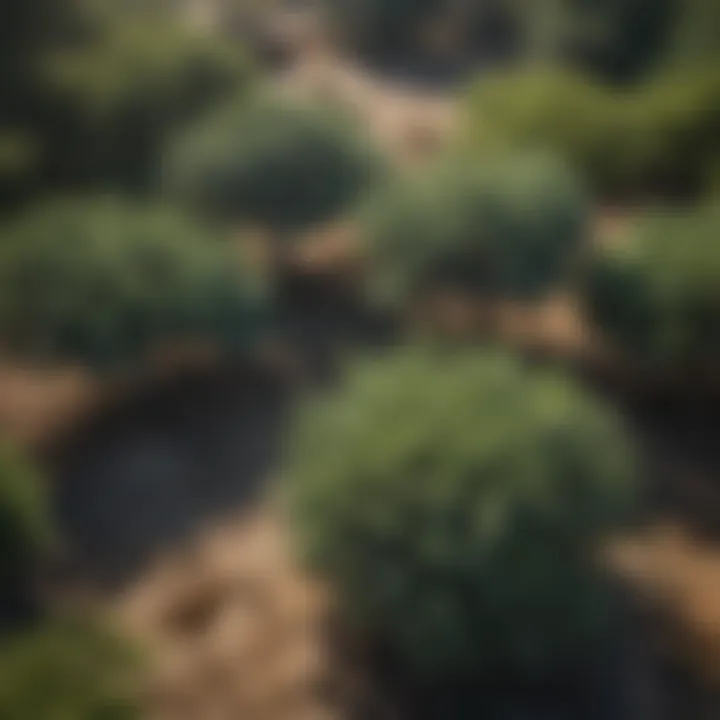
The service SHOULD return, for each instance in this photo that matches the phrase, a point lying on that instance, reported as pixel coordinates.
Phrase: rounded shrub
(65, 669)
(653, 290)
(557, 110)
(507, 227)
(24, 527)
(455, 502)
(657, 139)
(676, 121)
(695, 39)
(127, 88)
(103, 282)
(280, 165)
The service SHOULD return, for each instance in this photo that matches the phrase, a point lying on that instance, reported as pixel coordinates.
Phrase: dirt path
(234, 629)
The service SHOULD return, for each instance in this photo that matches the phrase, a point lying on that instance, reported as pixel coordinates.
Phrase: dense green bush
(695, 38)
(65, 671)
(122, 93)
(27, 29)
(508, 226)
(92, 89)
(281, 165)
(617, 40)
(24, 528)
(676, 122)
(659, 139)
(103, 282)
(455, 502)
(653, 291)
(552, 109)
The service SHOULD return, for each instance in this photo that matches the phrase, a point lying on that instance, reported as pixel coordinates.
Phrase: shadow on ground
(150, 470)
(165, 460)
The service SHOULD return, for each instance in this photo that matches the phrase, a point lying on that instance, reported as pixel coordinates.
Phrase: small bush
(508, 227)
(654, 291)
(66, 671)
(24, 528)
(121, 93)
(658, 139)
(676, 131)
(103, 282)
(557, 110)
(279, 165)
(618, 40)
(695, 39)
(455, 502)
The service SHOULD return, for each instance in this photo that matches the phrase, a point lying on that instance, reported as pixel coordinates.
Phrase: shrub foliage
(24, 528)
(654, 290)
(123, 92)
(507, 227)
(455, 502)
(276, 164)
(619, 40)
(91, 90)
(65, 670)
(102, 281)
(658, 139)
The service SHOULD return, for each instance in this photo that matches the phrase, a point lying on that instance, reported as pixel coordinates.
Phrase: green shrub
(101, 281)
(123, 91)
(93, 88)
(24, 526)
(507, 227)
(455, 502)
(660, 138)
(654, 291)
(281, 165)
(65, 671)
(695, 39)
(679, 115)
(550, 109)
(618, 40)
